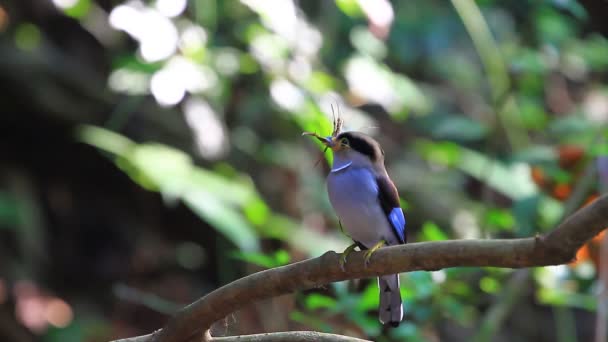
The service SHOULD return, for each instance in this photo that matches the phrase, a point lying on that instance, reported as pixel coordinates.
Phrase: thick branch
(557, 247)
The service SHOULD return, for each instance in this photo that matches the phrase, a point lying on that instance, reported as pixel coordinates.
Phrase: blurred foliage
(490, 113)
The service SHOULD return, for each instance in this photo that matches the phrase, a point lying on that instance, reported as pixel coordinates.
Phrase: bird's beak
(329, 141)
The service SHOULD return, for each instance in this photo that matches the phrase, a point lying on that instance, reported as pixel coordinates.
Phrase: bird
(366, 202)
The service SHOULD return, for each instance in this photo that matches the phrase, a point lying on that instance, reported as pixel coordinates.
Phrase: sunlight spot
(281, 17)
(193, 38)
(465, 225)
(278, 15)
(168, 90)
(270, 50)
(287, 95)
(585, 270)
(438, 276)
(211, 139)
(195, 77)
(596, 106)
(171, 8)
(227, 62)
(64, 4)
(160, 40)
(380, 15)
(370, 81)
(180, 74)
(552, 276)
(129, 81)
(155, 33)
(300, 69)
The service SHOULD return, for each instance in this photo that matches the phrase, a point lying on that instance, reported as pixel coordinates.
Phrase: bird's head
(353, 148)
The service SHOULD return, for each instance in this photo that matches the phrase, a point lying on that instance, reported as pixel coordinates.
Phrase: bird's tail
(391, 308)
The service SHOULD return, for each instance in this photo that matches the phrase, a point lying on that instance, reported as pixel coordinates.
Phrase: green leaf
(215, 198)
(279, 258)
(528, 61)
(570, 125)
(169, 169)
(320, 82)
(370, 325)
(225, 219)
(497, 218)
(513, 181)
(441, 153)
(27, 36)
(257, 212)
(407, 331)
(104, 139)
(489, 285)
(535, 154)
(456, 128)
(599, 150)
(350, 8)
(532, 114)
(525, 211)
(572, 6)
(369, 298)
(552, 26)
(560, 297)
(79, 10)
(315, 301)
(255, 258)
(592, 49)
(432, 232)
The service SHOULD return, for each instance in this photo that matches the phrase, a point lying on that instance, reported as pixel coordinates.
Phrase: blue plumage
(397, 220)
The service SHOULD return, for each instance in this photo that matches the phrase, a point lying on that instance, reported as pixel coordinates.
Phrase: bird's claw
(343, 262)
(344, 255)
(368, 254)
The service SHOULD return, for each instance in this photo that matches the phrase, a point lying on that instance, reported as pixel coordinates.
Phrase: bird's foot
(369, 252)
(345, 254)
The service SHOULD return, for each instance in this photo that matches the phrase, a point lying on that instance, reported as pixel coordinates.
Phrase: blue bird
(367, 204)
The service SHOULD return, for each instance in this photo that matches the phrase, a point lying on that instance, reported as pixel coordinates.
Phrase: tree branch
(557, 247)
(290, 336)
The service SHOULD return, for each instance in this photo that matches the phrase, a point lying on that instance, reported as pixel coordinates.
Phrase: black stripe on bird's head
(361, 143)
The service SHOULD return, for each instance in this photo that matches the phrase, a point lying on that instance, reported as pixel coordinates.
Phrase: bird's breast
(353, 193)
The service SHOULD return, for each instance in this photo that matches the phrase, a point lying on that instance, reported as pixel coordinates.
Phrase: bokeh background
(150, 152)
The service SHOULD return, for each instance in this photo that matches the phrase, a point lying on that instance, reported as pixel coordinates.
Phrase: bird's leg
(345, 254)
(342, 228)
(369, 252)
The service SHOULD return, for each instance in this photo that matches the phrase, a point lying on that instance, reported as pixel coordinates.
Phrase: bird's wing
(389, 200)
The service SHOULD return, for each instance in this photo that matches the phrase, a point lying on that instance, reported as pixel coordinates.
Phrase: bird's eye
(344, 141)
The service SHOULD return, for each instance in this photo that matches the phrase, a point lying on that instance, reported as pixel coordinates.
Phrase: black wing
(389, 200)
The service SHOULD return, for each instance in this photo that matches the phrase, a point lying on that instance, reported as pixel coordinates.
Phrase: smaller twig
(290, 336)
